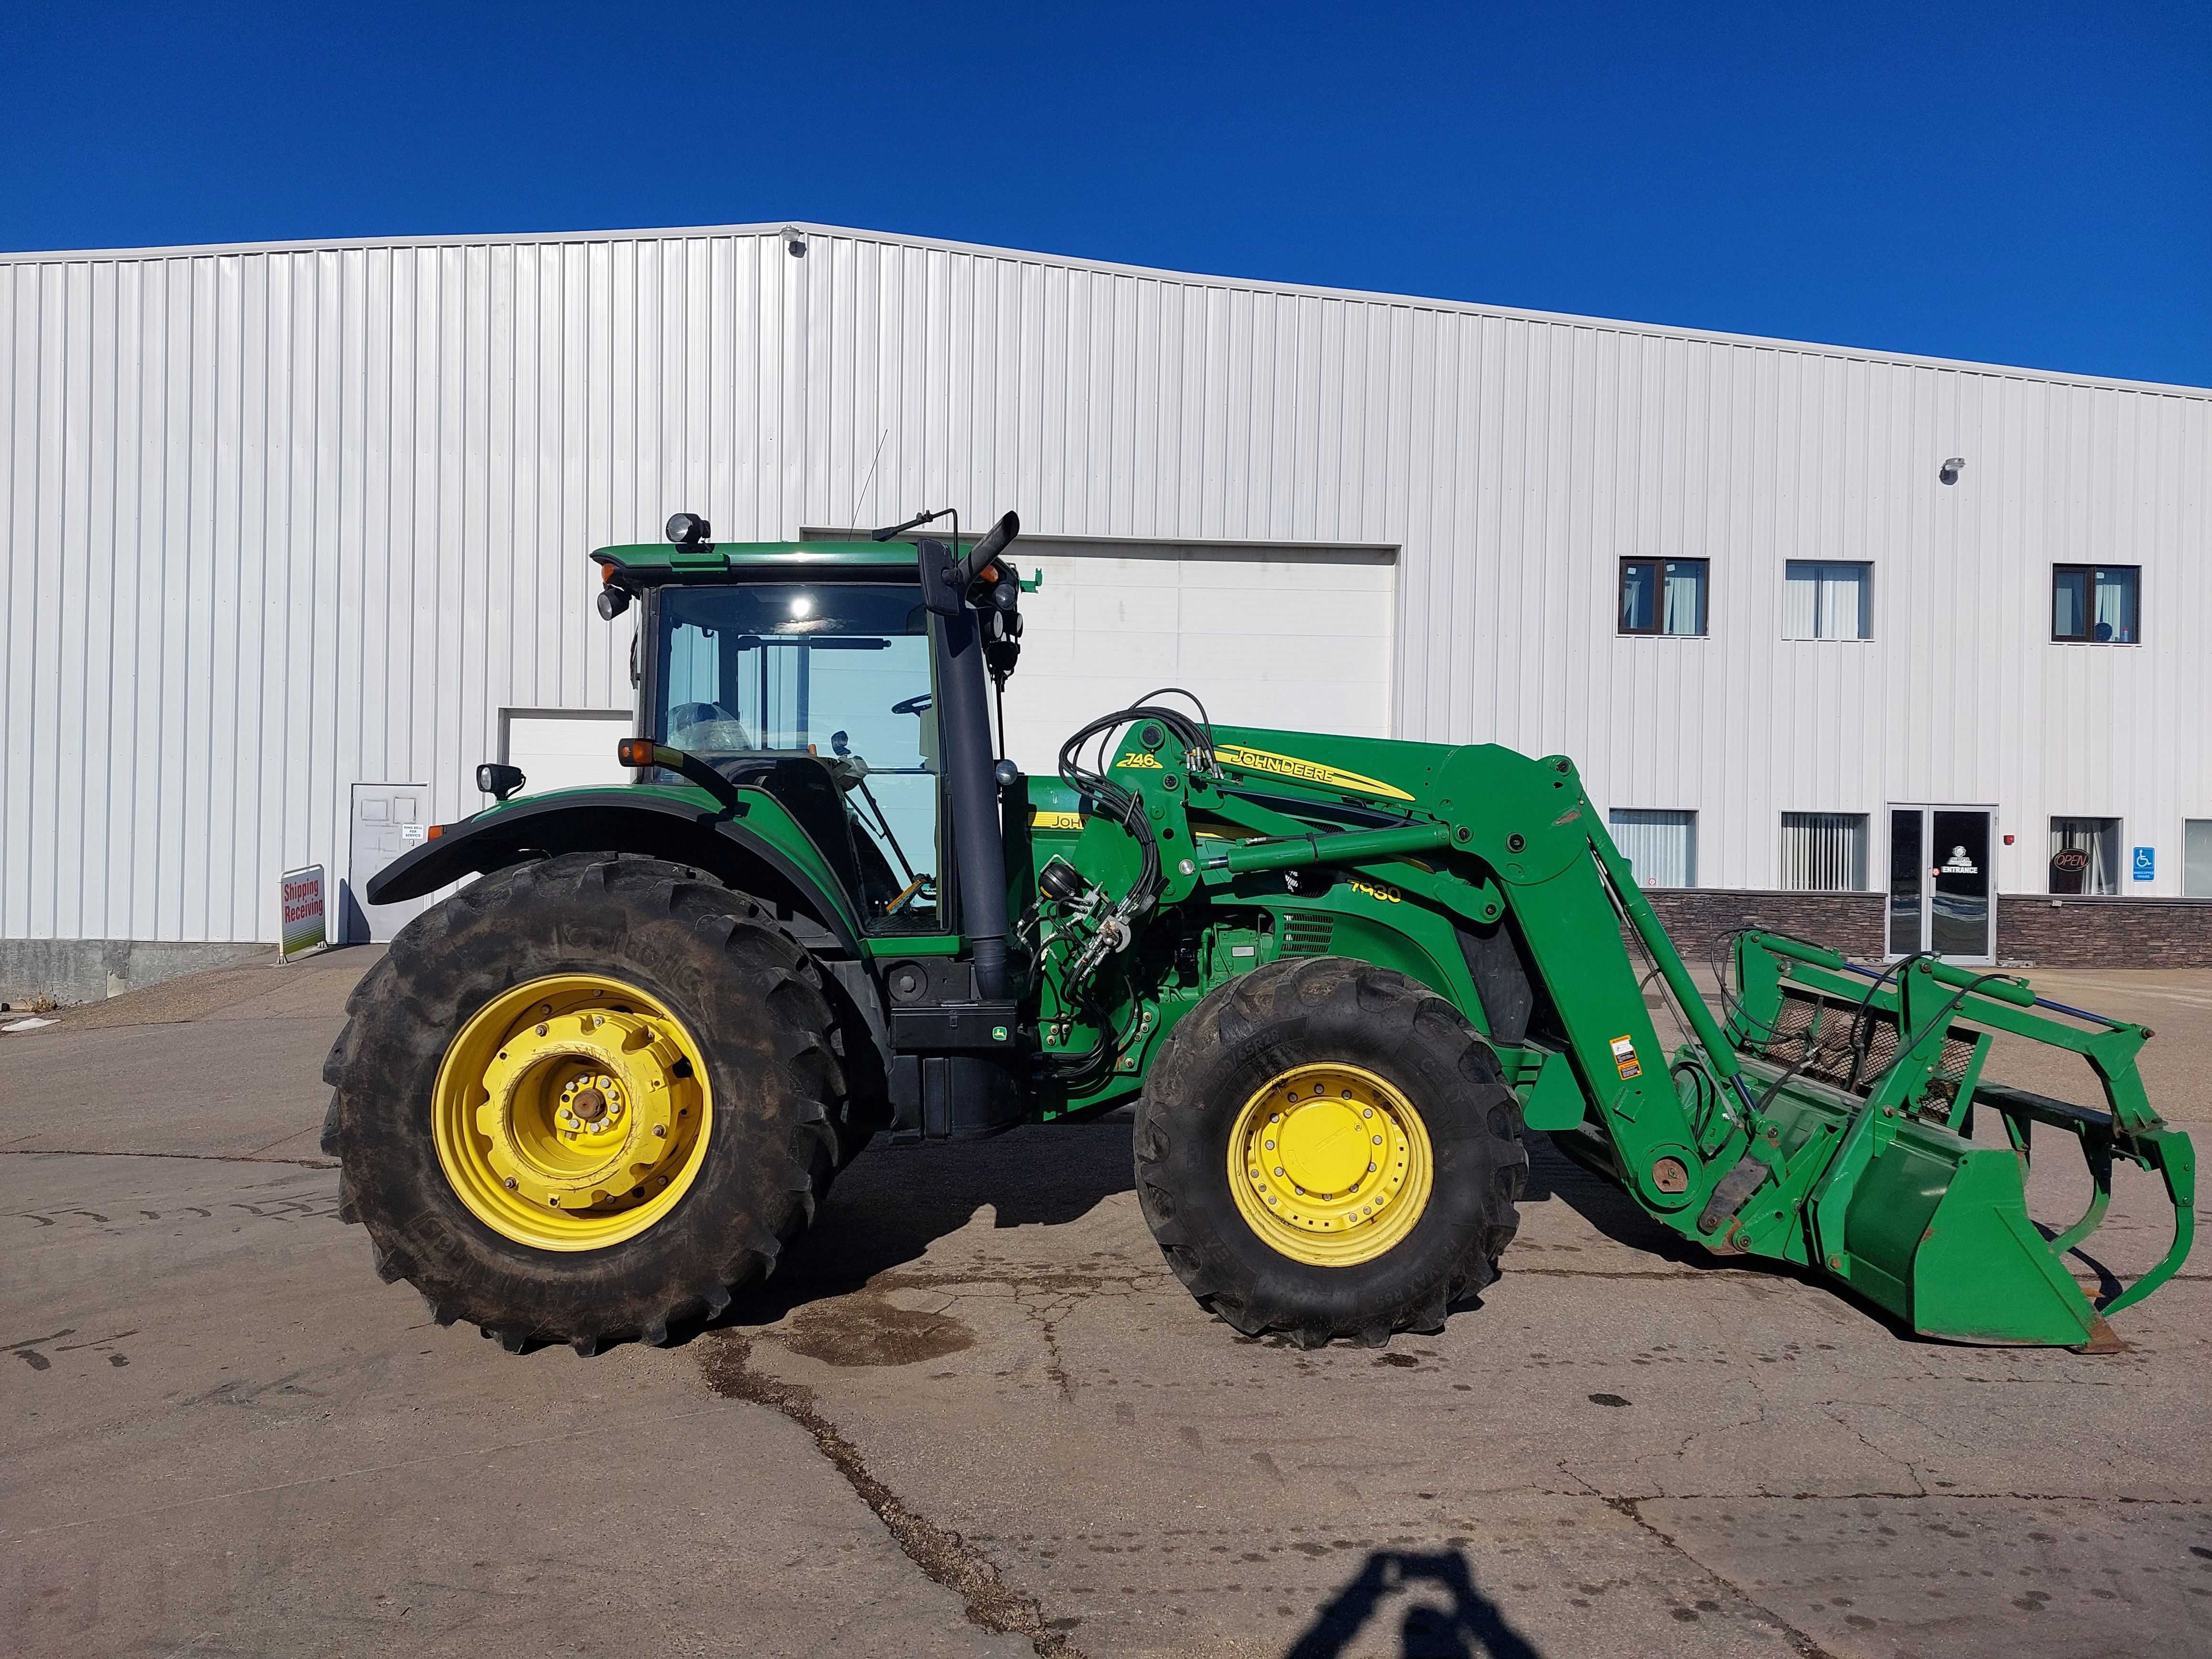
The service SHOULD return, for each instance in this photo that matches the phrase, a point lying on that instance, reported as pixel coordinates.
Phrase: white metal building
(281, 521)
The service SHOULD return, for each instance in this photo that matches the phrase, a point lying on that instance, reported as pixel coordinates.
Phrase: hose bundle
(1124, 806)
(1102, 795)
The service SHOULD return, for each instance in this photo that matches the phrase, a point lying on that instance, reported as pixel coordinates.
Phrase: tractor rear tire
(713, 960)
(1398, 1042)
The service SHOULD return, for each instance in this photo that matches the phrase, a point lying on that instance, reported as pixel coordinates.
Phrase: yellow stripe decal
(1305, 771)
(1039, 819)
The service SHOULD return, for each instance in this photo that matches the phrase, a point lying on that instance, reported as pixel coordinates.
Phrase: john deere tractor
(604, 1085)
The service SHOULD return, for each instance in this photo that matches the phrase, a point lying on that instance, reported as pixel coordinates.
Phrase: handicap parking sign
(2146, 864)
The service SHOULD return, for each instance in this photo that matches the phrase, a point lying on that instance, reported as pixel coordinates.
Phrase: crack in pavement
(1801, 1640)
(726, 1361)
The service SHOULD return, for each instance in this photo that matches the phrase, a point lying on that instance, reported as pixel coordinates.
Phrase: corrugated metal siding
(277, 520)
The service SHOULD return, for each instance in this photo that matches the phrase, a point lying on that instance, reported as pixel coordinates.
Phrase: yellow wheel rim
(1330, 1164)
(572, 1113)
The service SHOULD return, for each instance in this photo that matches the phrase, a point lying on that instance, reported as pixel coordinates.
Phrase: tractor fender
(659, 824)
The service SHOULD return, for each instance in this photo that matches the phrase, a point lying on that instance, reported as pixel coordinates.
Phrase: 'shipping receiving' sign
(302, 896)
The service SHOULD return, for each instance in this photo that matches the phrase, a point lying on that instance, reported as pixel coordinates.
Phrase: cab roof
(650, 564)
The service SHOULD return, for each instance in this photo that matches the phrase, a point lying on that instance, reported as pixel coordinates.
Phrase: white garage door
(1297, 639)
(564, 748)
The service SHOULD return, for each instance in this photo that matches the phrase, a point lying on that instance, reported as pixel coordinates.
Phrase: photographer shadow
(1469, 1623)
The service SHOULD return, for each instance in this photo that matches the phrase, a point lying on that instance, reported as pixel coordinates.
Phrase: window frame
(2113, 830)
(1865, 568)
(1682, 818)
(2187, 824)
(1862, 853)
(2089, 574)
(1658, 631)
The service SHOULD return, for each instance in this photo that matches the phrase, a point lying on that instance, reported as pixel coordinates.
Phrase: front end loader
(603, 1085)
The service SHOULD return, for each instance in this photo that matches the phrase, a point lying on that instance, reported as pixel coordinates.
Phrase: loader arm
(1868, 1178)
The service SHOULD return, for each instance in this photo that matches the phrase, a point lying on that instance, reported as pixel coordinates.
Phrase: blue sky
(2027, 183)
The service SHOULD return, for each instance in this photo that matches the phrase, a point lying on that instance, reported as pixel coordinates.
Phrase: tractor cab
(819, 692)
(818, 673)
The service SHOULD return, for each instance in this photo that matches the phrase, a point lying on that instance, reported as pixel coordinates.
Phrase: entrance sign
(2146, 864)
(1941, 899)
(300, 893)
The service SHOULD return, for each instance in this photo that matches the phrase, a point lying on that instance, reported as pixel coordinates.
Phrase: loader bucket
(1872, 1080)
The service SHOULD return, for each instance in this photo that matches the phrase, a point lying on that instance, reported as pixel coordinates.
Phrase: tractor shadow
(891, 1204)
(1609, 1211)
(1615, 1216)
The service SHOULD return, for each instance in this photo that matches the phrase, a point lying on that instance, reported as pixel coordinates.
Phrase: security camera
(1951, 468)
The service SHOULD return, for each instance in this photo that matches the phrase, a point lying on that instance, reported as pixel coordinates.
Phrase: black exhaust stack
(963, 718)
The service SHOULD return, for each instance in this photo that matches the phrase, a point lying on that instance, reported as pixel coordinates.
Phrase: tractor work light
(613, 601)
(689, 529)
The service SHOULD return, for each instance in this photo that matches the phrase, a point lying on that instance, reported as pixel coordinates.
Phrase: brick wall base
(2040, 932)
(2033, 930)
(1697, 918)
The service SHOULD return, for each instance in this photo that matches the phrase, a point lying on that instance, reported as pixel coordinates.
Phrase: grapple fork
(1876, 1076)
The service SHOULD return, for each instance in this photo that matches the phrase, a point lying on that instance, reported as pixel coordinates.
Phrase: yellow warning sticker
(1624, 1058)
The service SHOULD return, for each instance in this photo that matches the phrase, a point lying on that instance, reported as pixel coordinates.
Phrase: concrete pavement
(976, 1413)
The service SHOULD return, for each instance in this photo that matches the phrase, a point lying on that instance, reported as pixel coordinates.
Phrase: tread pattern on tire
(1328, 1008)
(784, 1116)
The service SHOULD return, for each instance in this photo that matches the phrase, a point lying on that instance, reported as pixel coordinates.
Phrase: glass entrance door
(1941, 896)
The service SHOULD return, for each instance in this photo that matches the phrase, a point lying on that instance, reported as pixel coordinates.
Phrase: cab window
(776, 684)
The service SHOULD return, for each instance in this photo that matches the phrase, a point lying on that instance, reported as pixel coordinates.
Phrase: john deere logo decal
(1139, 761)
(1305, 771)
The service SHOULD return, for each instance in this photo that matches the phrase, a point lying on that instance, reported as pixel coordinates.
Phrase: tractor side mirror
(498, 781)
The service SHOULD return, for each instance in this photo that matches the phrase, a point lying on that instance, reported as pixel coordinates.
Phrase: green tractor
(599, 1090)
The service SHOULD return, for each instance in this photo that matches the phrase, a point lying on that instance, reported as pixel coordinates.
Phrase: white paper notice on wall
(411, 832)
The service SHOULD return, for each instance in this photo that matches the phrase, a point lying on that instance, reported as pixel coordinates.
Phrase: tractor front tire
(463, 1121)
(1324, 1149)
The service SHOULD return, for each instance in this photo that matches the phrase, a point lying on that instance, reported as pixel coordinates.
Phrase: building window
(1663, 596)
(1824, 852)
(1660, 847)
(2096, 603)
(1826, 601)
(2196, 858)
(2085, 855)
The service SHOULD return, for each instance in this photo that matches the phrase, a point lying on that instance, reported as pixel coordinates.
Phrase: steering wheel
(914, 705)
